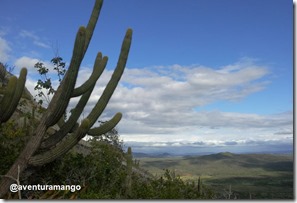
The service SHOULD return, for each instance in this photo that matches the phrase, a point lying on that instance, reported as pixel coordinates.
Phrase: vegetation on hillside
(250, 176)
(101, 174)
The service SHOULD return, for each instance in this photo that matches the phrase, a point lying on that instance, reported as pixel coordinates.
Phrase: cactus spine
(41, 149)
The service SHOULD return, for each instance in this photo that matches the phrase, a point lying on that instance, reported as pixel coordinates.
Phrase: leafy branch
(45, 83)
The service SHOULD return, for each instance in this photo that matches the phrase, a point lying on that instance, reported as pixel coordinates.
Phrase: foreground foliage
(99, 170)
(102, 175)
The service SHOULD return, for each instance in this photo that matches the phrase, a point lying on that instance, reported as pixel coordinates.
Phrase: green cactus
(116, 76)
(41, 148)
(76, 112)
(99, 67)
(62, 147)
(8, 96)
(61, 98)
(106, 127)
(199, 186)
(12, 95)
(129, 160)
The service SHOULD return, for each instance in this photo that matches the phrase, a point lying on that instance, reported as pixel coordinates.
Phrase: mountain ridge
(258, 175)
(168, 154)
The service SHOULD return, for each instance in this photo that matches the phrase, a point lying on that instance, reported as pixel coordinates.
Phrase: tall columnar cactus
(129, 160)
(199, 185)
(12, 95)
(42, 149)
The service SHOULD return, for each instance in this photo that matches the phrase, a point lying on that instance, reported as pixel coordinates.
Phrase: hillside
(256, 175)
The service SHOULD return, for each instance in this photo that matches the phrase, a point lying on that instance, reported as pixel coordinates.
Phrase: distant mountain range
(245, 176)
(166, 154)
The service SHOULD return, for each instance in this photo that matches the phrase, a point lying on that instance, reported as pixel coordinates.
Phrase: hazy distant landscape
(242, 176)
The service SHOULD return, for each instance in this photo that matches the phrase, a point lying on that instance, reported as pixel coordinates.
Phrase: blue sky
(201, 74)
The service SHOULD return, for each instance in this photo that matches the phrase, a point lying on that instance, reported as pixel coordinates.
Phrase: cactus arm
(66, 144)
(105, 127)
(112, 84)
(99, 66)
(60, 101)
(69, 124)
(8, 96)
(129, 160)
(17, 94)
(92, 22)
(61, 122)
(63, 147)
(7, 111)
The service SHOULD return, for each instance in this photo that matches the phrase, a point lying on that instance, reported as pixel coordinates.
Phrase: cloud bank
(160, 105)
(165, 104)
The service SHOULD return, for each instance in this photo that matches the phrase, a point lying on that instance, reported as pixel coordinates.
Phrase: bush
(12, 140)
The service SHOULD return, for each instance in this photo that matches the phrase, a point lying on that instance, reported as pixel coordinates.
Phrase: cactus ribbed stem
(113, 82)
(70, 123)
(106, 127)
(99, 67)
(129, 158)
(62, 96)
(76, 112)
(199, 185)
(63, 147)
(92, 22)
(12, 95)
(17, 95)
(7, 98)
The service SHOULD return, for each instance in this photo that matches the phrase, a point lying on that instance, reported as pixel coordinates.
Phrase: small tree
(45, 83)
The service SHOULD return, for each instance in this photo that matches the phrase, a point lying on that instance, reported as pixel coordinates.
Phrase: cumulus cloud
(30, 62)
(165, 97)
(181, 87)
(159, 104)
(25, 61)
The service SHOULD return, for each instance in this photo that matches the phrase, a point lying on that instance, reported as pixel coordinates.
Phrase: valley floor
(241, 176)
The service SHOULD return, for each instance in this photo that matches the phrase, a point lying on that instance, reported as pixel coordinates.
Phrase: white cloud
(4, 50)
(29, 63)
(158, 105)
(182, 89)
(36, 39)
